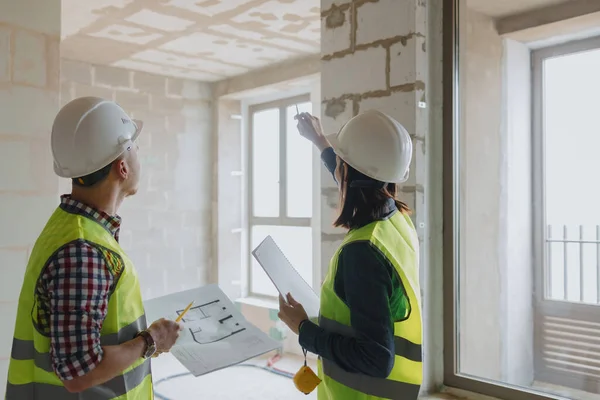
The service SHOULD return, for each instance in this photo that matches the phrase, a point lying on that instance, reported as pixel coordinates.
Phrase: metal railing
(572, 258)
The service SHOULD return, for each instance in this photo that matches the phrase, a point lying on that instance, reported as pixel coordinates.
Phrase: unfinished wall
(167, 225)
(29, 86)
(375, 56)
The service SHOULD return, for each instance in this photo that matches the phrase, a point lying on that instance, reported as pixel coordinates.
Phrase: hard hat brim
(333, 141)
(139, 124)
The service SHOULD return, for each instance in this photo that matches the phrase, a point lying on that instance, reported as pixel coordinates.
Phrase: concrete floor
(232, 383)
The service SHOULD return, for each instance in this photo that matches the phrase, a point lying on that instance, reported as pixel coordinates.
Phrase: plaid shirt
(72, 296)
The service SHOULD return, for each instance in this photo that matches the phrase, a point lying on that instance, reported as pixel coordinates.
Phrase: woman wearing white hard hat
(369, 334)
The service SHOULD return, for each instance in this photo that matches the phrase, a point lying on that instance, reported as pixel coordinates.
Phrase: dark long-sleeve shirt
(371, 288)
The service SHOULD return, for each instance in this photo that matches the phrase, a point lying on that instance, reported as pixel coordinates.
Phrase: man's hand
(291, 313)
(165, 334)
(310, 128)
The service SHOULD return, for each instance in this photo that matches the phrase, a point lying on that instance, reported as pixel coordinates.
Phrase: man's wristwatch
(150, 345)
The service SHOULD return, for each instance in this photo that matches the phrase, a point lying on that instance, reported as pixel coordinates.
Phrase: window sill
(261, 302)
(448, 393)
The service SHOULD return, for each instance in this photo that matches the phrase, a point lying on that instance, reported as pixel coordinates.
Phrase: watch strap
(150, 344)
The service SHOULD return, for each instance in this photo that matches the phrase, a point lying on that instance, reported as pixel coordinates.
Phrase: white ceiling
(504, 8)
(207, 40)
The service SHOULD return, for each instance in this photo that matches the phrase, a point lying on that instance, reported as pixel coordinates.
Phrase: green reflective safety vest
(397, 240)
(30, 374)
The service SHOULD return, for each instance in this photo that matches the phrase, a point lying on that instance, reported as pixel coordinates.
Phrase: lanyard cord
(305, 352)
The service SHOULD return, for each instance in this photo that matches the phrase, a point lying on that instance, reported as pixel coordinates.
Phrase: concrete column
(29, 91)
(375, 56)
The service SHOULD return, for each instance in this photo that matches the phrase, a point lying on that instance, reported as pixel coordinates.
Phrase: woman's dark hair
(361, 205)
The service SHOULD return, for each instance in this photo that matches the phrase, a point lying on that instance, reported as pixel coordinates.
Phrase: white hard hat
(376, 145)
(88, 134)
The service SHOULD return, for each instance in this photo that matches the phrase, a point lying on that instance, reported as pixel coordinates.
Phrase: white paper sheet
(285, 277)
(215, 334)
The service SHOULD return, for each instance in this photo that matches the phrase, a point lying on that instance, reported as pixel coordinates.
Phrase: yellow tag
(306, 380)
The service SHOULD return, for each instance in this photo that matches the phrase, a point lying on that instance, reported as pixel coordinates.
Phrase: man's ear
(121, 168)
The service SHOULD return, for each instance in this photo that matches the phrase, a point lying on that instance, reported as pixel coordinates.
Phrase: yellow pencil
(184, 311)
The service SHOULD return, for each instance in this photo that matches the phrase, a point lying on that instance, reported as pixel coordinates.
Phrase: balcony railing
(572, 270)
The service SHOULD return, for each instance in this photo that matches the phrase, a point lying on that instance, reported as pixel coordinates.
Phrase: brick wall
(29, 82)
(167, 225)
(375, 55)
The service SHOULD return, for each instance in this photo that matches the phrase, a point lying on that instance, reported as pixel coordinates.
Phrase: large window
(567, 312)
(522, 222)
(280, 189)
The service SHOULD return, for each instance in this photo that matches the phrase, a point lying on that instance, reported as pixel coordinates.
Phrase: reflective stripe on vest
(379, 387)
(30, 374)
(403, 347)
(25, 349)
(114, 388)
(397, 241)
(383, 388)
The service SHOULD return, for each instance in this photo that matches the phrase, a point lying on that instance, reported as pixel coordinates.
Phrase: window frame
(283, 219)
(452, 114)
(545, 306)
(538, 56)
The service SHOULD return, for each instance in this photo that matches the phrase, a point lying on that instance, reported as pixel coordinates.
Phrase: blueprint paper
(285, 277)
(215, 334)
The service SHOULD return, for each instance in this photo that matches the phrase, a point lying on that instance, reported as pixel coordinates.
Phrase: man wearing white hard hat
(369, 332)
(81, 331)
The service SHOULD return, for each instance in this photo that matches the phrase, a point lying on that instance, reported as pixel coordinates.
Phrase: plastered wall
(496, 282)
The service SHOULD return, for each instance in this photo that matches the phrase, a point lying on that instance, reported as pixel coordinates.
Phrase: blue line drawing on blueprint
(210, 322)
